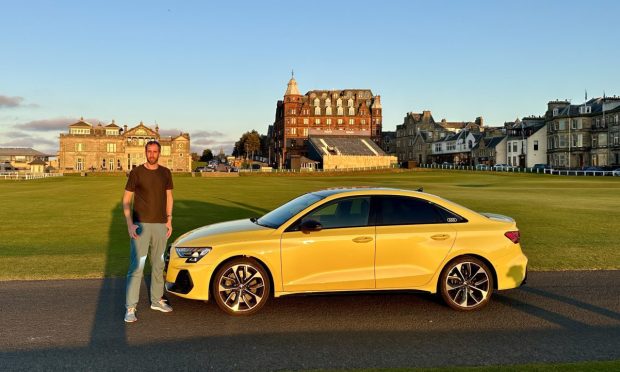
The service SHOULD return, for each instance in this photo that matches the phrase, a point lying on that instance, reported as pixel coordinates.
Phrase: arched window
(351, 111)
(317, 102)
(328, 110)
(317, 110)
(339, 102)
(328, 102)
(340, 110)
(350, 102)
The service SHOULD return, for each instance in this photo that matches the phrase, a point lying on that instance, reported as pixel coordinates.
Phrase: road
(78, 324)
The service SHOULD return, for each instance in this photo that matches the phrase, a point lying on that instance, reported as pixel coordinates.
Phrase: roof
(292, 88)
(37, 161)
(346, 145)
(20, 151)
(493, 141)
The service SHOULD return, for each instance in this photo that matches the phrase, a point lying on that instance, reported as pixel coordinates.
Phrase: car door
(413, 238)
(338, 257)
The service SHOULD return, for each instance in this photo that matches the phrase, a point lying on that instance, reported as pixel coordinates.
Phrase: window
(111, 147)
(535, 145)
(348, 212)
(317, 110)
(340, 111)
(305, 131)
(514, 147)
(111, 132)
(102, 163)
(556, 112)
(339, 121)
(562, 125)
(401, 210)
(351, 111)
(306, 121)
(585, 109)
(351, 121)
(317, 121)
(293, 121)
(317, 102)
(339, 102)
(293, 131)
(329, 121)
(79, 147)
(79, 164)
(293, 111)
(363, 121)
(328, 110)
(328, 102)
(573, 124)
(350, 102)
(165, 150)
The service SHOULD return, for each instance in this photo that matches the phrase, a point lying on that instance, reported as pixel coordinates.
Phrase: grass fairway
(73, 227)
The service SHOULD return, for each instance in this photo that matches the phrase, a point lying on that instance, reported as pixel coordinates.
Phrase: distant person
(149, 224)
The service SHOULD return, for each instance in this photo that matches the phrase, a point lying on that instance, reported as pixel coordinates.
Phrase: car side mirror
(310, 225)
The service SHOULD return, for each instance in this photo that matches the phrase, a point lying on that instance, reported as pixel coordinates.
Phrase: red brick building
(355, 112)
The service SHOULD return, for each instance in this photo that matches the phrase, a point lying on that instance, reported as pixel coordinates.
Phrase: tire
(466, 284)
(241, 287)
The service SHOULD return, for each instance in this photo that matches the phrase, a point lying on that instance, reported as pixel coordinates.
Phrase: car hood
(498, 217)
(221, 232)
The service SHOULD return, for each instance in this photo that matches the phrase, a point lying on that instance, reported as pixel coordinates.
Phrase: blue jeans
(153, 236)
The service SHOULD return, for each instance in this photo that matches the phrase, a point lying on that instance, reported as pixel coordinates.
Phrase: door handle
(440, 237)
(362, 239)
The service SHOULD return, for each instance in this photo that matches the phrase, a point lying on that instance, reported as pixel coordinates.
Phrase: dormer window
(317, 102)
(585, 109)
(556, 112)
(339, 102)
(328, 102)
(350, 102)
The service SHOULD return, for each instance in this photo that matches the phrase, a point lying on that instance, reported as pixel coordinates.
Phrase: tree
(207, 155)
(195, 156)
(248, 145)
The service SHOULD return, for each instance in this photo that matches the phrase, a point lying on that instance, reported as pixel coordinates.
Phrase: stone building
(348, 112)
(417, 133)
(583, 135)
(20, 158)
(114, 149)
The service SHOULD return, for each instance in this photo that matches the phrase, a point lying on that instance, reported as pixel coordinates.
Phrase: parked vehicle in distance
(502, 167)
(483, 167)
(350, 239)
(539, 168)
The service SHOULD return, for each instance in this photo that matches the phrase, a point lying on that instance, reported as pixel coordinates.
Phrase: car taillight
(514, 236)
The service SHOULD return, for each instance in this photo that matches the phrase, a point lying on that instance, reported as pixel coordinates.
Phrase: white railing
(27, 176)
(560, 172)
(308, 170)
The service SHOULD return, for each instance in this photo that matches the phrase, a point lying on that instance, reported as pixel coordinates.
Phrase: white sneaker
(162, 306)
(130, 315)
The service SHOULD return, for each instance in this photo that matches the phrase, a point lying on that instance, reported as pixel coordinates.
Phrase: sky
(217, 69)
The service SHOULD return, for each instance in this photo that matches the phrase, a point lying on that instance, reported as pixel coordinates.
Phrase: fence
(511, 169)
(27, 176)
(311, 170)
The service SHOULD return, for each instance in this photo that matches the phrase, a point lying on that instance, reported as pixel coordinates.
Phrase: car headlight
(192, 254)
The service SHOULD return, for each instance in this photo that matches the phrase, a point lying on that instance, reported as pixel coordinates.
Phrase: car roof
(359, 190)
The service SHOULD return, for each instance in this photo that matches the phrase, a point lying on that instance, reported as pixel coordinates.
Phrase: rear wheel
(466, 284)
(241, 287)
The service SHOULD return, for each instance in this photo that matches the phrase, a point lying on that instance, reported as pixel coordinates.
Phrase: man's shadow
(109, 328)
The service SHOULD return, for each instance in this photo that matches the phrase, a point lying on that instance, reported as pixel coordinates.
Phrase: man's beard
(152, 161)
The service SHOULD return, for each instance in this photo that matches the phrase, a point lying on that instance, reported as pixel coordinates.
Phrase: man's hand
(169, 228)
(133, 234)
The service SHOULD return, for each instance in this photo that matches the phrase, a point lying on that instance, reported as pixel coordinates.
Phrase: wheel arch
(481, 258)
(265, 266)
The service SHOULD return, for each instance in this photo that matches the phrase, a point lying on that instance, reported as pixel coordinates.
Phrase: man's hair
(149, 143)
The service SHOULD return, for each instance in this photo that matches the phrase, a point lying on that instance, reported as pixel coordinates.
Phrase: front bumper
(183, 283)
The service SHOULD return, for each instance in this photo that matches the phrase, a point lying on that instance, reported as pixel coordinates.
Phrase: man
(149, 225)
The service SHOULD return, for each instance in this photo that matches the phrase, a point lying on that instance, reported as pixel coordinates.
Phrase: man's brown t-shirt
(149, 188)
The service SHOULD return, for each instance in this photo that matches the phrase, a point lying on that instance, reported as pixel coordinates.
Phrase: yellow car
(350, 239)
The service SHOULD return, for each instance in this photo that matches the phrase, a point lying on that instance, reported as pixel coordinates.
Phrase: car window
(348, 212)
(281, 214)
(402, 210)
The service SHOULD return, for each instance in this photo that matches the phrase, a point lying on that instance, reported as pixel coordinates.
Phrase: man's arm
(169, 203)
(131, 227)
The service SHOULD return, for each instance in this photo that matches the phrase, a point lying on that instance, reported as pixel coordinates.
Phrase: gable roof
(20, 151)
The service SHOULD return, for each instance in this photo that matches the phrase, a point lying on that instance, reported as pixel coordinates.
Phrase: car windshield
(280, 215)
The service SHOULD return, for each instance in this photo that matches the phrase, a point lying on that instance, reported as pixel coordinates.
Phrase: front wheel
(466, 284)
(241, 287)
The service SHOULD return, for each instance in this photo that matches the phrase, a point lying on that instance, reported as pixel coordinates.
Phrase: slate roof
(20, 151)
(345, 145)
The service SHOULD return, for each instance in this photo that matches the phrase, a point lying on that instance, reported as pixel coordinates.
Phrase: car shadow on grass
(109, 327)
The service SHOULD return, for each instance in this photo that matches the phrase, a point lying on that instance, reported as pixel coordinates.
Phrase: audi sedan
(350, 239)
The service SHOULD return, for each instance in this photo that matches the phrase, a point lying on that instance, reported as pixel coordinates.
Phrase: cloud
(169, 132)
(12, 102)
(6, 101)
(203, 133)
(14, 134)
(53, 125)
(33, 142)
